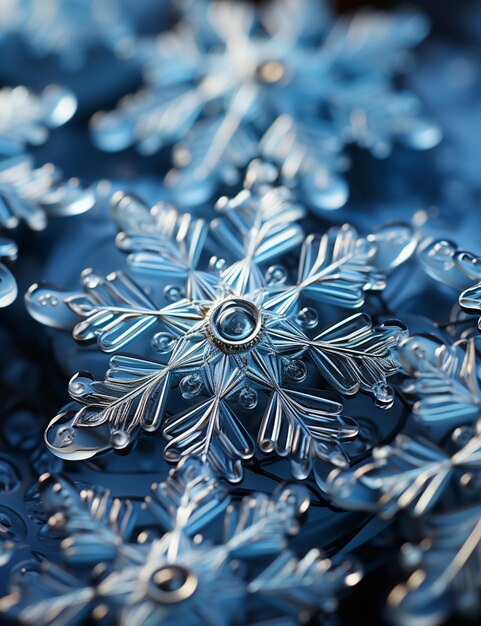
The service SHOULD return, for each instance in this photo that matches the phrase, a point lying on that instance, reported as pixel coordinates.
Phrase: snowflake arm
(211, 430)
(412, 474)
(133, 395)
(308, 155)
(351, 355)
(448, 568)
(298, 424)
(443, 379)
(310, 583)
(190, 498)
(336, 268)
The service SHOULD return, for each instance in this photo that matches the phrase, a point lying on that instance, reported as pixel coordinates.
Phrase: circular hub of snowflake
(271, 72)
(234, 325)
(171, 584)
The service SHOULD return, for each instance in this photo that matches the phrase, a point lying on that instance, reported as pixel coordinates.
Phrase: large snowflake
(236, 333)
(288, 82)
(169, 572)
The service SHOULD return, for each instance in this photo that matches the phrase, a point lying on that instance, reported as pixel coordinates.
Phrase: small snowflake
(169, 573)
(237, 332)
(288, 82)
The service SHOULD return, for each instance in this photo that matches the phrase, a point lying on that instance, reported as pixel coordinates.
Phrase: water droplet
(9, 478)
(411, 555)
(383, 393)
(190, 386)
(217, 264)
(119, 439)
(76, 388)
(173, 293)
(419, 353)
(90, 280)
(64, 437)
(163, 342)
(307, 317)
(296, 370)
(276, 275)
(463, 435)
(248, 398)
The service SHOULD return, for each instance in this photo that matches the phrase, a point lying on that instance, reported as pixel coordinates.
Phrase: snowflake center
(173, 583)
(271, 72)
(234, 324)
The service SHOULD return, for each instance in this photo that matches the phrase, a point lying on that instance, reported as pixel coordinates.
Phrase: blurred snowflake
(27, 117)
(67, 29)
(168, 572)
(288, 75)
(233, 330)
(434, 475)
(30, 194)
(446, 577)
(456, 268)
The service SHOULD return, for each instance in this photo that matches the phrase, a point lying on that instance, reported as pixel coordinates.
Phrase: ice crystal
(169, 572)
(235, 332)
(289, 82)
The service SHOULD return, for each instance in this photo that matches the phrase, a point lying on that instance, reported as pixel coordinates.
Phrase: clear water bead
(276, 275)
(248, 398)
(190, 386)
(384, 394)
(217, 264)
(307, 317)
(163, 342)
(173, 293)
(296, 370)
(119, 439)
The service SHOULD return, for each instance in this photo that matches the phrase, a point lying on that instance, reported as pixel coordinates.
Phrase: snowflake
(27, 117)
(287, 82)
(456, 268)
(433, 474)
(27, 193)
(67, 29)
(235, 332)
(414, 473)
(168, 572)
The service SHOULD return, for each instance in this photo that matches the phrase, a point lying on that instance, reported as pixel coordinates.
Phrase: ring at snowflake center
(173, 583)
(235, 325)
(271, 72)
